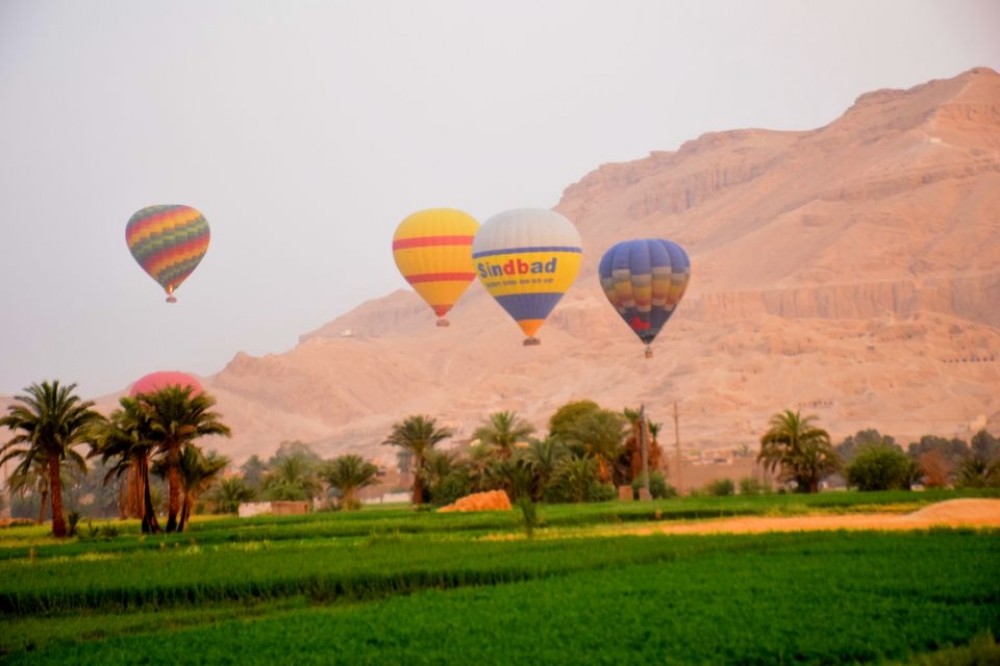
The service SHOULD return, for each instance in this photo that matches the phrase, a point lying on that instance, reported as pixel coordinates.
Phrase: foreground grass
(847, 597)
(394, 585)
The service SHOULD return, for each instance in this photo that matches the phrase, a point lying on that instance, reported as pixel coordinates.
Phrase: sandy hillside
(852, 271)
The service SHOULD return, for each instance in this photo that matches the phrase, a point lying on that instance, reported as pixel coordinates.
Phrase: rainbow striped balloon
(168, 242)
(432, 249)
(527, 258)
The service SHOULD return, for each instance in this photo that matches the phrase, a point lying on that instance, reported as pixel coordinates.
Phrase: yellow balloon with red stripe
(433, 251)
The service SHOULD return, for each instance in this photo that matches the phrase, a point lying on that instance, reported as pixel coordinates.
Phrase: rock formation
(851, 271)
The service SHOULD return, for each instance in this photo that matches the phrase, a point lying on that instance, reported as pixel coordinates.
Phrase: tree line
(803, 456)
(587, 453)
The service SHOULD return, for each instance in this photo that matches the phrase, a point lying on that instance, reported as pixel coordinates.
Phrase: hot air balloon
(432, 251)
(168, 242)
(155, 381)
(527, 258)
(645, 280)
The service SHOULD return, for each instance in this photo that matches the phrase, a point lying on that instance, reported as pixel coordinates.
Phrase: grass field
(397, 586)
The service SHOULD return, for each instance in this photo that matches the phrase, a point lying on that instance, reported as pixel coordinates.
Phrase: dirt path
(951, 513)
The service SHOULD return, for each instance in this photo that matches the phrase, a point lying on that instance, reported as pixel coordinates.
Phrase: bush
(602, 492)
(750, 485)
(721, 488)
(881, 466)
(658, 486)
(73, 520)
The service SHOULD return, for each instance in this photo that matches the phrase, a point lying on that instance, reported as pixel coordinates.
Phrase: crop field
(392, 586)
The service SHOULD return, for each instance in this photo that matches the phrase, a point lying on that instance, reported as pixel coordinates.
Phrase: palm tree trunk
(55, 487)
(133, 501)
(185, 511)
(174, 504)
(418, 482)
(149, 523)
(43, 502)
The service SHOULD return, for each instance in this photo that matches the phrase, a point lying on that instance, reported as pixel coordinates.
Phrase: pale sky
(306, 131)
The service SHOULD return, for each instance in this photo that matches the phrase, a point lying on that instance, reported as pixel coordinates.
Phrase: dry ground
(951, 513)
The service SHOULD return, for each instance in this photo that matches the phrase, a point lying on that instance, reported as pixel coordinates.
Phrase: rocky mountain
(852, 271)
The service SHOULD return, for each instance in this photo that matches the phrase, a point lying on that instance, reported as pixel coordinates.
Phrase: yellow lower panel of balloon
(528, 272)
(444, 293)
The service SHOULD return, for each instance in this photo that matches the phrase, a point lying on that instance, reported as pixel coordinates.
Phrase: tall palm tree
(198, 472)
(545, 456)
(32, 480)
(177, 418)
(600, 433)
(503, 430)
(633, 444)
(230, 493)
(50, 420)
(577, 475)
(418, 435)
(801, 450)
(292, 478)
(478, 459)
(348, 474)
(127, 440)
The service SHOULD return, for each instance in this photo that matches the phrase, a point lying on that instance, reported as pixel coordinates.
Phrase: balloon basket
(443, 323)
(532, 342)
(171, 299)
(648, 353)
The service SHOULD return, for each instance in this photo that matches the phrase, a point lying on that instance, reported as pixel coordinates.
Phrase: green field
(397, 586)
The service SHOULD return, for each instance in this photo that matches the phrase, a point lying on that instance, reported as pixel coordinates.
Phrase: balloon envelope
(645, 280)
(527, 258)
(168, 242)
(155, 381)
(432, 249)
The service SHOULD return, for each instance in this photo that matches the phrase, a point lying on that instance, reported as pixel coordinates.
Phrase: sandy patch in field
(951, 513)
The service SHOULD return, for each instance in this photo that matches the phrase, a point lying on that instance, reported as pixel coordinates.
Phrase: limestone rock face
(851, 271)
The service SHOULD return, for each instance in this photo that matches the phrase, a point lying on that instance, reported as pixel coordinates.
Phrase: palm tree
(599, 433)
(802, 451)
(633, 444)
(293, 478)
(418, 435)
(230, 493)
(545, 456)
(177, 419)
(127, 438)
(34, 479)
(348, 474)
(478, 459)
(577, 476)
(503, 430)
(50, 420)
(198, 472)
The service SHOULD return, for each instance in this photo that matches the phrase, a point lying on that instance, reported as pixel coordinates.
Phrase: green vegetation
(49, 421)
(393, 586)
(347, 474)
(801, 451)
(881, 466)
(417, 436)
(560, 579)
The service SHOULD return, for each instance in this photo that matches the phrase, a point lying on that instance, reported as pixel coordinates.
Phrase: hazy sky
(306, 131)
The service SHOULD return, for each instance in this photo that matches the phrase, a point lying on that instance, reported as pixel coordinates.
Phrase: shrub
(602, 492)
(72, 521)
(720, 488)
(658, 486)
(750, 485)
(881, 466)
